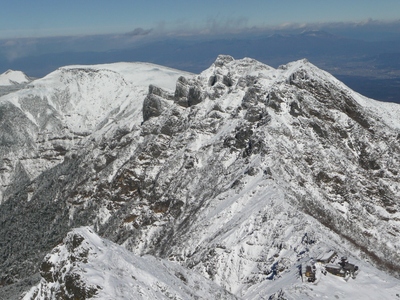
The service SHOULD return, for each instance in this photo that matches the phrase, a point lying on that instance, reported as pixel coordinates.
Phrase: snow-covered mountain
(85, 266)
(48, 119)
(11, 77)
(237, 176)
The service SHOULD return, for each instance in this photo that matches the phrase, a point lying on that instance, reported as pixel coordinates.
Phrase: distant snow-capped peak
(11, 77)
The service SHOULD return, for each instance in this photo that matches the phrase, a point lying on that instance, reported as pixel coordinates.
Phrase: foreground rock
(85, 266)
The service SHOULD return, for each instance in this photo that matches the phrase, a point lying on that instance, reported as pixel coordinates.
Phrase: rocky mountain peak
(240, 173)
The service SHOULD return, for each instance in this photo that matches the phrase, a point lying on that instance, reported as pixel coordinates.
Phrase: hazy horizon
(362, 42)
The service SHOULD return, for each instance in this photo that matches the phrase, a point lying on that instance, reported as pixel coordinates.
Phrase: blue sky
(27, 18)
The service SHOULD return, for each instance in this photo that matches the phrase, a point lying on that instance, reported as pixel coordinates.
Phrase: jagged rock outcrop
(187, 92)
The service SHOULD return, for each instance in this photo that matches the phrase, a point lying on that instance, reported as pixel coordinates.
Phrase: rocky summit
(136, 181)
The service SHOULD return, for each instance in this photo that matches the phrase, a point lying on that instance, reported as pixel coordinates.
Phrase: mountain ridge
(225, 175)
(82, 280)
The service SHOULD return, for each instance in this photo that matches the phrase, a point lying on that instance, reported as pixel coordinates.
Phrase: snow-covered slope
(11, 77)
(86, 95)
(49, 118)
(87, 266)
(83, 96)
(242, 174)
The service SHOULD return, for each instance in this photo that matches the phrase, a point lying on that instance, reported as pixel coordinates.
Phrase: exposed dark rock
(194, 96)
(155, 90)
(318, 130)
(274, 101)
(295, 110)
(242, 137)
(255, 114)
(252, 171)
(46, 271)
(181, 90)
(187, 93)
(152, 107)
(227, 80)
(212, 80)
(252, 97)
(76, 289)
(222, 60)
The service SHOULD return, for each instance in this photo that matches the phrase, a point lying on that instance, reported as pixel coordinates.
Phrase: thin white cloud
(13, 49)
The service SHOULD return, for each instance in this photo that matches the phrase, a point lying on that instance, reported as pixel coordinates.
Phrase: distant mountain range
(371, 68)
